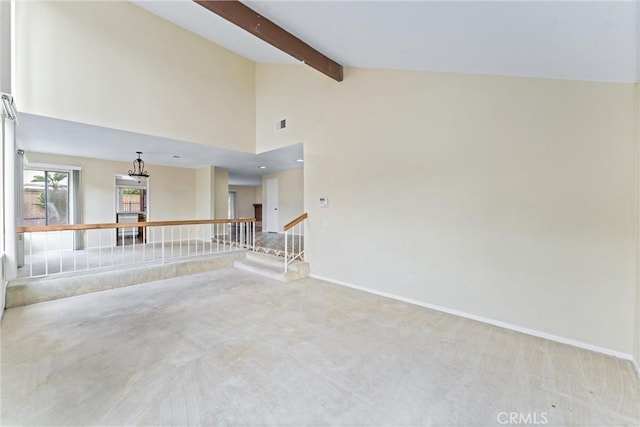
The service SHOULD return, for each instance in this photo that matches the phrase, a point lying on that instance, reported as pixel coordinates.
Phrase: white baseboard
(533, 332)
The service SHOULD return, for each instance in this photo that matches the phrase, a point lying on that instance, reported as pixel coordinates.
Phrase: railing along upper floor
(56, 249)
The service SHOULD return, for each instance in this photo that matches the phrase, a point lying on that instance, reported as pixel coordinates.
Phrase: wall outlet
(410, 279)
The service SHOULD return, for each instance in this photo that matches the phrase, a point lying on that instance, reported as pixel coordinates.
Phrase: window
(131, 194)
(131, 199)
(45, 197)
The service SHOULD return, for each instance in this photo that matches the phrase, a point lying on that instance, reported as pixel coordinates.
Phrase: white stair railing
(54, 249)
(293, 241)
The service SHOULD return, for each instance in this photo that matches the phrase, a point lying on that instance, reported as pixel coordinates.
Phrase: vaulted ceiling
(577, 40)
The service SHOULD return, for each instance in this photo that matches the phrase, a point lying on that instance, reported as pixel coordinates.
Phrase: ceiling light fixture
(176, 157)
(138, 167)
(300, 160)
(262, 167)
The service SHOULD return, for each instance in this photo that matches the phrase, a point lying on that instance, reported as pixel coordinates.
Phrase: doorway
(233, 205)
(272, 219)
(131, 206)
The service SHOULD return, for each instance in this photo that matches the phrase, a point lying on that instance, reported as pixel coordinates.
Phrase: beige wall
(245, 198)
(258, 194)
(212, 193)
(221, 193)
(510, 199)
(290, 196)
(171, 190)
(116, 65)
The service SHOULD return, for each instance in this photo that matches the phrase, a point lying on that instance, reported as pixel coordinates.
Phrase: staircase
(273, 267)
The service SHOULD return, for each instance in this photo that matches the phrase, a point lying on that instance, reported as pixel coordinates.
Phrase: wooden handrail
(295, 222)
(45, 228)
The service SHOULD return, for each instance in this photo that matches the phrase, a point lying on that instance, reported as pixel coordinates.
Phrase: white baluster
(100, 247)
(31, 254)
(163, 227)
(133, 238)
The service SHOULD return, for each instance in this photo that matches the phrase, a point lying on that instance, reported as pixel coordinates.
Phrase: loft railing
(57, 249)
(293, 233)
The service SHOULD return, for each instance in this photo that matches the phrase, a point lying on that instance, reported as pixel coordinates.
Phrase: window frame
(72, 214)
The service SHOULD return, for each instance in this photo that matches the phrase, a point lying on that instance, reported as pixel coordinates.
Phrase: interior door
(272, 205)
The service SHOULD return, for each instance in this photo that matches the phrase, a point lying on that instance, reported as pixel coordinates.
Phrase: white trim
(493, 322)
(10, 203)
(50, 166)
(14, 62)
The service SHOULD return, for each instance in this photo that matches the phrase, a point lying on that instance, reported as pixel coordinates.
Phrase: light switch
(323, 202)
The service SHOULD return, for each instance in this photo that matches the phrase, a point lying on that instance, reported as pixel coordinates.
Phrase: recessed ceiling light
(176, 157)
(300, 160)
(262, 167)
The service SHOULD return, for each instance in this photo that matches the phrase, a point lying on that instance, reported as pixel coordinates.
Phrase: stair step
(265, 259)
(276, 273)
(272, 267)
(276, 261)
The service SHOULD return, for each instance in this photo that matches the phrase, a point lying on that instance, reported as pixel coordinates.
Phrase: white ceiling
(577, 40)
(54, 136)
(195, 18)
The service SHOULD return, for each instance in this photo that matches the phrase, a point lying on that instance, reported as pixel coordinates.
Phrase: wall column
(221, 193)
(9, 198)
(212, 193)
(5, 46)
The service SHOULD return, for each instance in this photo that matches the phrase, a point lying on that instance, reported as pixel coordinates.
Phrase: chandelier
(138, 167)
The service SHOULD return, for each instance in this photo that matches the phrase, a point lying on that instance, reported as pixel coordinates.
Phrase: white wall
(637, 319)
(507, 198)
(116, 65)
(3, 225)
(5, 86)
(5, 46)
(290, 195)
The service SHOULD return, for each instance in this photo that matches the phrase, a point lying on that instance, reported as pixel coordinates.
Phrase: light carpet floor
(231, 348)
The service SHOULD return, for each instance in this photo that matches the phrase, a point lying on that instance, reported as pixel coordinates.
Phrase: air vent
(281, 124)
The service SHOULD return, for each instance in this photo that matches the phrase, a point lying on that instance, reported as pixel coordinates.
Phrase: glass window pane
(57, 198)
(33, 198)
(45, 197)
(130, 199)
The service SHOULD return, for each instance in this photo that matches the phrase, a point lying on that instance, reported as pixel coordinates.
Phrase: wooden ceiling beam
(246, 18)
